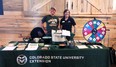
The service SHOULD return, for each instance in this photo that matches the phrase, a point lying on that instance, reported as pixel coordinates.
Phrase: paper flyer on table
(21, 46)
(32, 46)
(9, 48)
(82, 46)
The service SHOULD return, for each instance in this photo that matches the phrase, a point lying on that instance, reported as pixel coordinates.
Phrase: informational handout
(21, 46)
(9, 48)
(82, 46)
(65, 33)
(32, 46)
(57, 36)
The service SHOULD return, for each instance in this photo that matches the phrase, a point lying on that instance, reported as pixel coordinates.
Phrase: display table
(56, 57)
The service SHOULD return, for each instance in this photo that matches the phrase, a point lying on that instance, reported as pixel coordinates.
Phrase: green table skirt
(56, 58)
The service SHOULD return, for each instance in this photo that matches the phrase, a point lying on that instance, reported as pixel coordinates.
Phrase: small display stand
(57, 37)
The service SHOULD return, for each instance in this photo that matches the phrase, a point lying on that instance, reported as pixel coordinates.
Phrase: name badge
(63, 21)
(69, 21)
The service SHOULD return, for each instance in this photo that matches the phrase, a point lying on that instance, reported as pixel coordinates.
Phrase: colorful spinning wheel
(94, 31)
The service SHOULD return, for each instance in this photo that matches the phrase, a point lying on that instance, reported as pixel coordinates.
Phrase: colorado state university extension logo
(21, 59)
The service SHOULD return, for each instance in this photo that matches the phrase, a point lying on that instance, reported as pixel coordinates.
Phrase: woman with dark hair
(67, 22)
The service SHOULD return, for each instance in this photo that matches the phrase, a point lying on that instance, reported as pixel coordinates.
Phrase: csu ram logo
(21, 59)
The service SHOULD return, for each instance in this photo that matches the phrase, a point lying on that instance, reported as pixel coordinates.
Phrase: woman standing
(67, 22)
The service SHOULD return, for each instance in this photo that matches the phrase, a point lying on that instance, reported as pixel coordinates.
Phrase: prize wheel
(94, 31)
